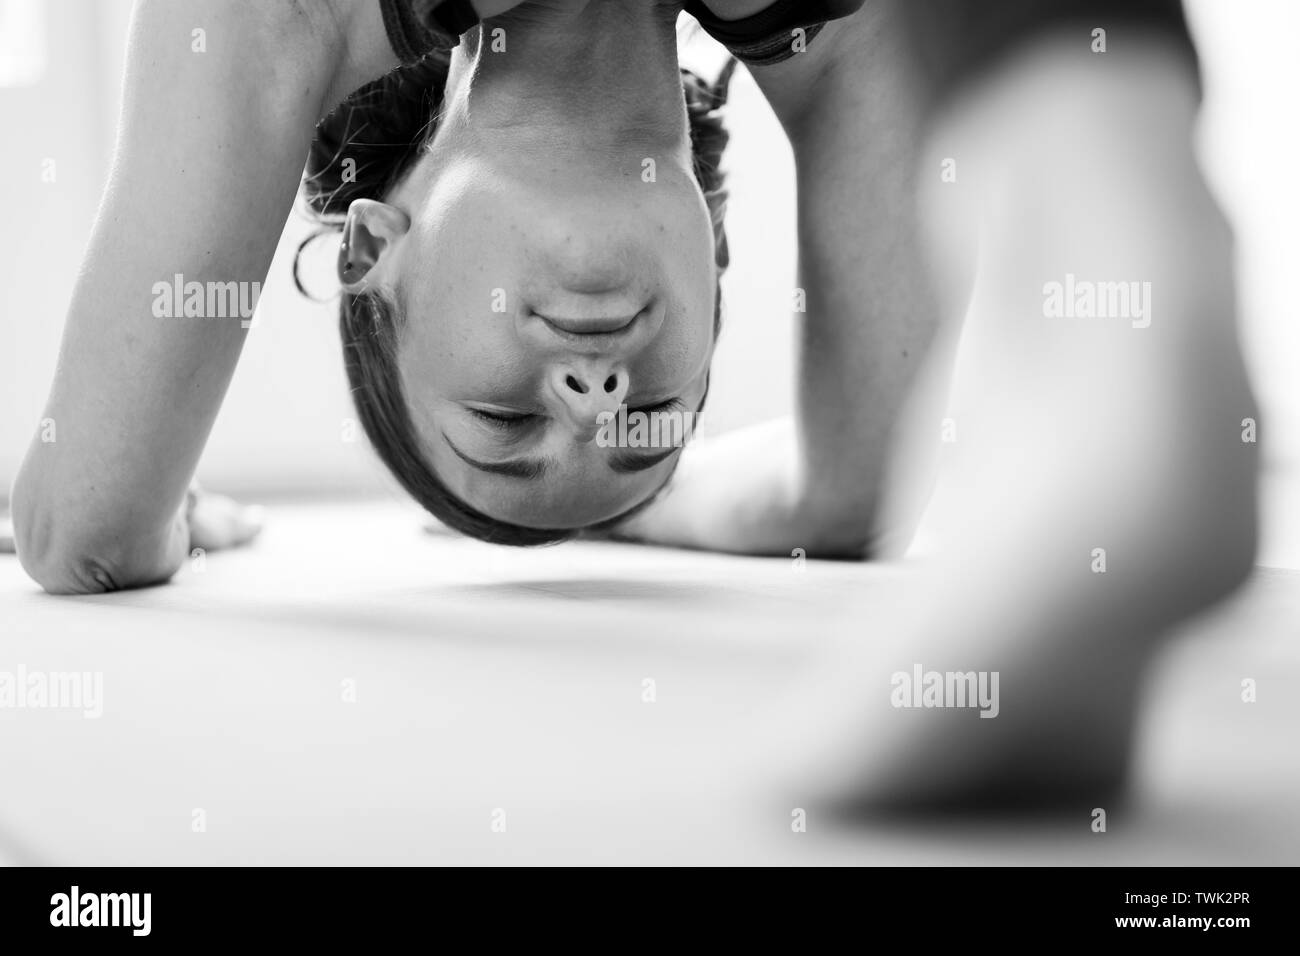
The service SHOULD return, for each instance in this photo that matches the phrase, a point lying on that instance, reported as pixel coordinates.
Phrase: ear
(370, 230)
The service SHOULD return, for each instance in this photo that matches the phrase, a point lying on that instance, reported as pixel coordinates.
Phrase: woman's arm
(854, 114)
(851, 108)
(209, 154)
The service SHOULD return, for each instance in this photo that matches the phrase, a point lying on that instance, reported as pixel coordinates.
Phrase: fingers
(218, 522)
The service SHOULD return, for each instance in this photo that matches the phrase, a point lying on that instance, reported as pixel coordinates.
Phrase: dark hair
(374, 137)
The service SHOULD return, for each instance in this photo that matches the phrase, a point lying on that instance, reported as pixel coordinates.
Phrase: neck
(603, 70)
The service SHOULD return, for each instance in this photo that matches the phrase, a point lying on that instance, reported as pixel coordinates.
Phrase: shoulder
(300, 44)
(325, 49)
(299, 23)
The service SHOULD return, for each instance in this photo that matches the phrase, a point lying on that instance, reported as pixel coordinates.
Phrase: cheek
(680, 355)
(469, 357)
(692, 252)
(695, 294)
(462, 292)
(467, 253)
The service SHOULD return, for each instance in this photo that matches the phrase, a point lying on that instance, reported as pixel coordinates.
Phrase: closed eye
(671, 405)
(508, 421)
(498, 420)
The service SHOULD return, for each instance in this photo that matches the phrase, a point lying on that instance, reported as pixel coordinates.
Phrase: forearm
(69, 551)
(869, 315)
(129, 423)
(207, 163)
(870, 328)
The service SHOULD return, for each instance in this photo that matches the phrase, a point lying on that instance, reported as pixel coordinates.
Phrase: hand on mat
(737, 493)
(730, 493)
(218, 522)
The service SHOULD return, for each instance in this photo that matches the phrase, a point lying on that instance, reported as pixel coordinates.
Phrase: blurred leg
(1101, 490)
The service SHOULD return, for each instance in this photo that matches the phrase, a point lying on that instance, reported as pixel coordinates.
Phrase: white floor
(490, 679)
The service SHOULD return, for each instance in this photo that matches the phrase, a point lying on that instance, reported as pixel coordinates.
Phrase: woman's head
(529, 247)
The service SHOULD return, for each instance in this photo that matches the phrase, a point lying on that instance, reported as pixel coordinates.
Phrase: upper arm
(211, 143)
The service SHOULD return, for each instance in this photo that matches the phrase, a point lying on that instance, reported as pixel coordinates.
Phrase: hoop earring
(297, 259)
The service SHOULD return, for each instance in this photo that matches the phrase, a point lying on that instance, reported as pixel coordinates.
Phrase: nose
(585, 389)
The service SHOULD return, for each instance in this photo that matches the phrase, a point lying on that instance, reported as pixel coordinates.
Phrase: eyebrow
(527, 468)
(625, 464)
(531, 469)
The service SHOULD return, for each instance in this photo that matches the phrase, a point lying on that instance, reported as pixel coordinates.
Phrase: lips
(590, 328)
(588, 325)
